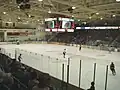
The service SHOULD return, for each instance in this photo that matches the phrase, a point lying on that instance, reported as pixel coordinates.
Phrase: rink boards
(48, 58)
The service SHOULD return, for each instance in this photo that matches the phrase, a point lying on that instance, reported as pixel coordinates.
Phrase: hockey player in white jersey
(18, 42)
(64, 53)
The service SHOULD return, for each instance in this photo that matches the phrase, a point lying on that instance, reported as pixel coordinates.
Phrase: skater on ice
(112, 68)
(64, 53)
(80, 48)
(18, 42)
(19, 57)
(110, 50)
(0, 50)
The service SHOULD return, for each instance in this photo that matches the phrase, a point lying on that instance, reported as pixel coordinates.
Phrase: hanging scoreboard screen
(50, 23)
(67, 23)
(59, 25)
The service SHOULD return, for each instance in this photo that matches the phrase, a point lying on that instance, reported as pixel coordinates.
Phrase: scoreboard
(59, 24)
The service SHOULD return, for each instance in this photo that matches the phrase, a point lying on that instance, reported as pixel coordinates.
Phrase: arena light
(72, 15)
(90, 17)
(97, 13)
(40, 0)
(73, 7)
(101, 18)
(49, 11)
(117, 0)
(29, 16)
(114, 15)
(18, 17)
(4, 12)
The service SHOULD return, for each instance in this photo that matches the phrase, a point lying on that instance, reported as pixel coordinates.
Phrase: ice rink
(49, 58)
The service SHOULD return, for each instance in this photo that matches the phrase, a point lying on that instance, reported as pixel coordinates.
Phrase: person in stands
(33, 81)
(92, 87)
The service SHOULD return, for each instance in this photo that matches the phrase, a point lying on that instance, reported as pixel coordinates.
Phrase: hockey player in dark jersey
(112, 68)
(64, 53)
(19, 57)
(80, 48)
(18, 42)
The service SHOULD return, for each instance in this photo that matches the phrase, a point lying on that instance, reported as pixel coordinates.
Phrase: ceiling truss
(84, 9)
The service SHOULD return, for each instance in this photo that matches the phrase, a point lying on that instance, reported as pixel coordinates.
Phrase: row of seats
(106, 37)
(16, 76)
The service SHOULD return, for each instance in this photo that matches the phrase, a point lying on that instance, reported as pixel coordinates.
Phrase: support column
(5, 36)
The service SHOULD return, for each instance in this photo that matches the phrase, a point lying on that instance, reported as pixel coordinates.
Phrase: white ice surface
(31, 55)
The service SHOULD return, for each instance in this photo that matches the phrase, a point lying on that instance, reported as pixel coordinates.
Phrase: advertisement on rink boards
(99, 28)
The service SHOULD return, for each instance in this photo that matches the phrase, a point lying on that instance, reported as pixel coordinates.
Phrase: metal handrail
(20, 82)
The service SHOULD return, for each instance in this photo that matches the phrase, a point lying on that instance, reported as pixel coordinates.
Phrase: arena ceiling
(85, 10)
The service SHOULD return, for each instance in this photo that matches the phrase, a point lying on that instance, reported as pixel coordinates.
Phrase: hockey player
(19, 57)
(110, 50)
(18, 42)
(112, 68)
(80, 48)
(0, 50)
(64, 53)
